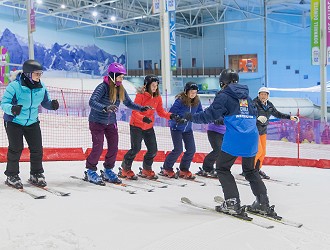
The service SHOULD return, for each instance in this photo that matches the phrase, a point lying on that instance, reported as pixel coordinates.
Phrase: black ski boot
(230, 206)
(264, 175)
(261, 206)
(201, 172)
(204, 173)
(14, 181)
(213, 174)
(38, 180)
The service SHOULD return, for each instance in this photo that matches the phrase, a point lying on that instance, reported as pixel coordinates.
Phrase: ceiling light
(39, 1)
(113, 18)
(94, 13)
(63, 6)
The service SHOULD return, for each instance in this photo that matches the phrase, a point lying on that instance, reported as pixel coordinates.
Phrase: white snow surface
(95, 217)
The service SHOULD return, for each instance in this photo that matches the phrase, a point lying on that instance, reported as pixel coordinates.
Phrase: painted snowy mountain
(87, 59)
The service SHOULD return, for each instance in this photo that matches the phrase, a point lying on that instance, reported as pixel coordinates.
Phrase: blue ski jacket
(18, 93)
(234, 104)
(100, 100)
(180, 109)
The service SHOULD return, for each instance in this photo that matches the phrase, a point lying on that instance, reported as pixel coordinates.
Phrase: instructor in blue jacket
(241, 139)
(20, 104)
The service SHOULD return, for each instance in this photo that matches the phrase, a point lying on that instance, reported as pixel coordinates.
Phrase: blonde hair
(115, 91)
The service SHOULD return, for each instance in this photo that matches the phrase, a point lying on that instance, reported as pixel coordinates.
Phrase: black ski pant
(32, 135)
(137, 135)
(215, 140)
(227, 180)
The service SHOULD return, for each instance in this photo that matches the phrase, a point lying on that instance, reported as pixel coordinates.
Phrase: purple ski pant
(98, 132)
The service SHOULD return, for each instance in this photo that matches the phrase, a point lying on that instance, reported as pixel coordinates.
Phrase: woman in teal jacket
(20, 104)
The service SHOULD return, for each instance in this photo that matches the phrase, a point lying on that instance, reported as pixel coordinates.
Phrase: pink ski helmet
(116, 68)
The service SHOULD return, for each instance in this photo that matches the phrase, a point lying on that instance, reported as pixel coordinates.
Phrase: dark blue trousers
(189, 143)
(215, 140)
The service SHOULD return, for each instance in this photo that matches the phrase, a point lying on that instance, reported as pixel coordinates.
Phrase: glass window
(244, 63)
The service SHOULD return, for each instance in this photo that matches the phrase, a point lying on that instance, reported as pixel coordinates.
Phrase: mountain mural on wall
(87, 59)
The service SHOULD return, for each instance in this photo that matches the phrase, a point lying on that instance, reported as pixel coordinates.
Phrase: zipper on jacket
(184, 130)
(29, 109)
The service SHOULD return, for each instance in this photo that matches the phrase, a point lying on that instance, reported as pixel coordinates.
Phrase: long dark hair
(187, 101)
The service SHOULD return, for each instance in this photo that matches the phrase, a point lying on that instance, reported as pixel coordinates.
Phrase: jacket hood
(106, 79)
(15, 75)
(237, 91)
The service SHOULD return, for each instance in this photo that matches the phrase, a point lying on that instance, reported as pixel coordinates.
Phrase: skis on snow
(120, 187)
(240, 182)
(160, 180)
(145, 183)
(49, 189)
(177, 174)
(32, 194)
(171, 181)
(141, 186)
(29, 192)
(276, 218)
(245, 218)
(285, 183)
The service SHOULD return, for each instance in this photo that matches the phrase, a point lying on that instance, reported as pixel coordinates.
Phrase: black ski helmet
(228, 76)
(190, 86)
(150, 79)
(30, 66)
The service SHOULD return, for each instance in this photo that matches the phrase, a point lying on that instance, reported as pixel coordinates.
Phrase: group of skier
(237, 127)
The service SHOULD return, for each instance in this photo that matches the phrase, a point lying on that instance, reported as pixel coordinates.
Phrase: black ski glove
(16, 109)
(145, 108)
(181, 121)
(175, 117)
(55, 104)
(147, 120)
(188, 116)
(110, 108)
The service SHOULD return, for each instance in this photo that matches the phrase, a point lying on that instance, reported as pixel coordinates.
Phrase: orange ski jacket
(145, 99)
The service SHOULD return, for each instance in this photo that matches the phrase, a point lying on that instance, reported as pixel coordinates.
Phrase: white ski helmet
(263, 89)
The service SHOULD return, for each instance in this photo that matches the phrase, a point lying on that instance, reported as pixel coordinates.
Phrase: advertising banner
(327, 21)
(32, 17)
(156, 6)
(170, 5)
(172, 40)
(315, 31)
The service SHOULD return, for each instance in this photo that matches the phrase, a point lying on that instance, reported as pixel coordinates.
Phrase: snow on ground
(95, 217)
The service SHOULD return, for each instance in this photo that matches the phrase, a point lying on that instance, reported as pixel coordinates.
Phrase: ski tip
(65, 194)
(185, 200)
(40, 197)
